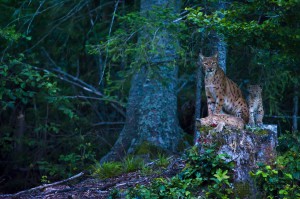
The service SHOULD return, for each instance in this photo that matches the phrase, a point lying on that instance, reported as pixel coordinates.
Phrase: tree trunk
(152, 105)
(19, 131)
(199, 79)
(296, 106)
(221, 44)
(222, 50)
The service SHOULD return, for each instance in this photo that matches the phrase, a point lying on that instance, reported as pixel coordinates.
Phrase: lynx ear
(201, 56)
(216, 55)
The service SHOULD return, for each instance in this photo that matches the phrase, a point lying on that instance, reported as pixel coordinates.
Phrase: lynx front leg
(219, 104)
(210, 102)
(259, 115)
(241, 110)
(251, 118)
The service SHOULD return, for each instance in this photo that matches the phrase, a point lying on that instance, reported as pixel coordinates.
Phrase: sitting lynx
(221, 92)
(221, 120)
(255, 105)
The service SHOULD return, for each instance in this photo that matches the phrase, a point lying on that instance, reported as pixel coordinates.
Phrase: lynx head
(254, 90)
(209, 64)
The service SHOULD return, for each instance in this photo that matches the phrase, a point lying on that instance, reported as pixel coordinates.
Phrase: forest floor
(88, 187)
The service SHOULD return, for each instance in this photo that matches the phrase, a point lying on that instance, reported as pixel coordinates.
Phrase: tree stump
(247, 148)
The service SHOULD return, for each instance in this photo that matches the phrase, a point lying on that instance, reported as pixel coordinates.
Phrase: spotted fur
(255, 105)
(221, 92)
(220, 121)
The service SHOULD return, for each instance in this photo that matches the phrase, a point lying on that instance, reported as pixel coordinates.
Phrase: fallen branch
(43, 186)
(108, 123)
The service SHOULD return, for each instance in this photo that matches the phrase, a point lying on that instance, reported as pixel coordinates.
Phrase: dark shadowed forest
(106, 86)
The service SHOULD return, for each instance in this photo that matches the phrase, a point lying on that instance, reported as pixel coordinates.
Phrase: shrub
(208, 170)
(107, 170)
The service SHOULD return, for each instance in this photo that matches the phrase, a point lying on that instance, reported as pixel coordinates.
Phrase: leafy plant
(45, 180)
(162, 160)
(207, 169)
(281, 178)
(107, 170)
(132, 164)
(146, 170)
(274, 182)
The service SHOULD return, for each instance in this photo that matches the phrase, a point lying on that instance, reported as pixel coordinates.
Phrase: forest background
(71, 73)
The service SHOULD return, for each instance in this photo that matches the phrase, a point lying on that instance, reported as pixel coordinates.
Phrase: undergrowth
(207, 175)
(112, 169)
(281, 179)
(207, 170)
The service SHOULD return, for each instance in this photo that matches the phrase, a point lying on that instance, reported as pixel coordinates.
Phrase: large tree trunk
(19, 131)
(295, 106)
(199, 80)
(221, 44)
(152, 105)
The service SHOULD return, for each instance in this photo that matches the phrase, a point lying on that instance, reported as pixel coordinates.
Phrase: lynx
(255, 105)
(221, 120)
(221, 92)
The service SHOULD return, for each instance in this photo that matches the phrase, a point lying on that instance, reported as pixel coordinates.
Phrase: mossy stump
(247, 148)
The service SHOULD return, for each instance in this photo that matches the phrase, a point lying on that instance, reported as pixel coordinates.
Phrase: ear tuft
(216, 55)
(201, 56)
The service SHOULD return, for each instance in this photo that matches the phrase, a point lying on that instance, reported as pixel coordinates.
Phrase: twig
(280, 116)
(35, 14)
(82, 189)
(72, 12)
(108, 123)
(110, 28)
(83, 85)
(43, 186)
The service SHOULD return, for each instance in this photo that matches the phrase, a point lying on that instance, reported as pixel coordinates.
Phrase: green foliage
(262, 36)
(282, 178)
(107, 170)
(9, 34)
(146, 148)
(206, 170)
(40, 38)
(145, 171)
(162, 160)
(21, 83)
(131, 163)
(111, 169)
(289, 160)
(139, 45)
(70, 163)
(274, 182)
(45, 180)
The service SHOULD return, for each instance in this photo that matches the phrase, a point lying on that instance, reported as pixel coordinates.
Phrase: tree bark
(222, 50)
(151, 114)
(221, 44)
(295, 106)
(19, 131)
(199, 79)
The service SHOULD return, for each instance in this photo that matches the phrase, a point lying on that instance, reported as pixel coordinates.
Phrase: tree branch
(110, 28)
(34, 15)
(108, 123)
(83, 85)
(43, 186)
